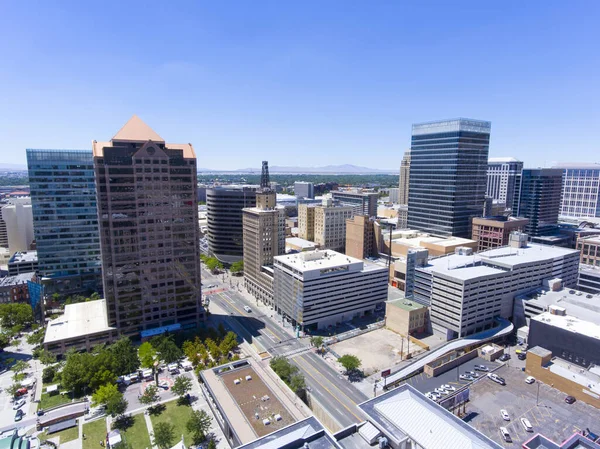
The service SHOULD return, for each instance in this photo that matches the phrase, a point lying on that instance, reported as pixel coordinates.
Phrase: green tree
(88, 370)
(229, 343)
(213, 349)
(36, 338)
(116, 405)
(12, 314)
(48, 374)
(147, 355)
(4, 340)
(213, 264)
(46, 357)
(349, 362)
(317, 341)
(150, 395)
(164, 434)
(212, 445)
(182, 385)
(297, 384)
(20, 366)
(198, 425)
(105, 393)
(166, 347)
(237, 267)
(222, 331)
(12, 390)
(125, 356)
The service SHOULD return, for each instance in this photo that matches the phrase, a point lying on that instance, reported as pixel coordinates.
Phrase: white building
(304, 189)
(394, 195)
(467, 291)
(504, 180)
(581, 190)
(320, 288)
(18, 219)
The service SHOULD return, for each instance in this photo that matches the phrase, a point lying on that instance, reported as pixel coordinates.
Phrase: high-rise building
(65, 219)
(364, 203)
(504, 180)
(404, 183)
(304, 189)
(394, 196)
(264, 238)
(360, 237)
(581, 190)
(306, 222)
(448, 164)
(540, 199)
(224, 220)
(17, 218)
(149, 231)
(325, 224)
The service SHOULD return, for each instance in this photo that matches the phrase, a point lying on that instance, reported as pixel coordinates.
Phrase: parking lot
(551, 417)
(133, 391)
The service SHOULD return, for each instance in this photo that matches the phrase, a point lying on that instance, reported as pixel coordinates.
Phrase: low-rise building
(405, 316)
(493, 232)
(296, 244)
(590, 250)
(589, 279)
(360, 237)
(405, 239)
(15, 288)
(320, 288)
(80, 327)
(23, 262)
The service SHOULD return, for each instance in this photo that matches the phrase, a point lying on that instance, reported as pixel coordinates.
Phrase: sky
(301, 83)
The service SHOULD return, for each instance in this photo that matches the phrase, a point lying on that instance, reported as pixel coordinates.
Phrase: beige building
(590, 250)
(403, 240)
(405, 316)
(492, 233)
(148, 220)
(296, 244)
(264, 238)
(360, 237)
(306, 222)
(404, 178)
(324, 224)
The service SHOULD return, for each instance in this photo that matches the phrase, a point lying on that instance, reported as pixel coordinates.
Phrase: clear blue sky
(301, 83)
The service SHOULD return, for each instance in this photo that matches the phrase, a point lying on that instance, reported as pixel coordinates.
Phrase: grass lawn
(94, 432)
(48, 401)
(137, 434)
(65, 435)
(178, 415)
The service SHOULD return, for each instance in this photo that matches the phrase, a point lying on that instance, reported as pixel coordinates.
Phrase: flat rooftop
(317, 260)
(17, 279)
(406, 304)
(571, 324)
(24, 256)
(461, 267)
(585, 306)
(418, 241)
(297, 241)
(510, 257)
(84, 318)
(594, 239)
(576, 374)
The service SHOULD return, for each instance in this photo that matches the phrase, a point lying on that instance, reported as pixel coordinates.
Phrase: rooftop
(297, 241)
(499, 160)
(578, 165)
(318, 260)
(294, 436)
(406, 413)
(405, 304)
(24, 256)
(451, 125)
(595, 239)
(577, 304)
(510, 257)
(79, 319)
(576, 374)
(570, 323)
(17, 279)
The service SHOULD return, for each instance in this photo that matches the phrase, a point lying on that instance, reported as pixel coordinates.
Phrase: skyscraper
(447, 175)
(404, 183)
(540, 199)
(504, 180)
(65, 219)
(149, 231)
(581, 190)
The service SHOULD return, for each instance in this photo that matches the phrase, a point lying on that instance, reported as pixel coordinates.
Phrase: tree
(12, 390)
(150, 395)
(117, 405)
(182, 385)
(198, 425)
(164, 434)
(46, 357)
(213, 264)
(229, 343)
(20, 366)
(4, 340)
(237, 267)
(36, 338)
(88, 370)
(12, 314)
(297, 384)
(317, 341)
(349, 362)
(48, 374)
(147, 355)
(213, 349)
(166, 347)
(105, 393)
(212, 445)
(125, 356)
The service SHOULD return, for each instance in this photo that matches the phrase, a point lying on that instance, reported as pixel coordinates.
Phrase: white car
(527, 425)
(465, 377)
(430, 396)
(18, 404)
(448, 387)
(529, 379)
(440, 391)
(247, 309)
(473, 374)
(505, 415)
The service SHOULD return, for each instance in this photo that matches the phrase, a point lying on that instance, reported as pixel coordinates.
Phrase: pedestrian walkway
(150, 429)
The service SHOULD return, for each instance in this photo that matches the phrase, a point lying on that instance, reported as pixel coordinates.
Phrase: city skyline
(250, 84)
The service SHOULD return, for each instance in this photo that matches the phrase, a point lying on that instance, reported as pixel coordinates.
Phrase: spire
(264, 176)
(135, 130)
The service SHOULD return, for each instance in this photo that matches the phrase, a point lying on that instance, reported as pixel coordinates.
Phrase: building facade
(394, 196)
(224, 220)
(539, 201)
(321, 288)
(23, 262)
(494, 232)
(306, 222)
(360, 237)
(17, 219)
(580, 190)
(65, 219)
(447, 175)
(589, 248)
(149, 232)
(404, 181)
(330, 226)
(304, 189)
(15, 288)
(504, 180)
(364, 203)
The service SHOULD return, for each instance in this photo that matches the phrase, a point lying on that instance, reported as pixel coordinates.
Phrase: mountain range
(328, 169)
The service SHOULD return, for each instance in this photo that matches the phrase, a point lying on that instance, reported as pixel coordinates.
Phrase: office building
(321, 288)
(330, 226)
(149, 231)
(580, 190)
(304, 189)
(404, 240)
(493, 232)
(589, 248)
(504, 180)
(405, 317)
(23, 262)
(15, 288)
(264, 238)
(224, 206)
(394, 196)
(589, 279)
(17, 222)
(306, 222)
(467, 291)
(404, 182)
(360, 237)
(540, 200)
(364, 203)
(448, 164)
(65, 220)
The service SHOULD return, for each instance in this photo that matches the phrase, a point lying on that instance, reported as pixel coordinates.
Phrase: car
(522, 356)
(18, 404)
(481, 368)
(428, 395)
(448, 387)
(529, 379)
(505, 435)
(504, 357)
(173, 368)
(472, 374)
(440, 391)
(526, 425)
(570, 399)
(21, 392)
(505, 415)
(465, 377)
(19, 415)
(40, 412)
(247, 309)
(163, 384)
(497, 378)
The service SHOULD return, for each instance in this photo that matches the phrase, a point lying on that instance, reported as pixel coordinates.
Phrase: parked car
(504, 357)
(522, 356)
(440, 391)
(448, 387)
(247, 309)
(173, 368)
(529, 379)
(430, 396)
(526, 425)
(497, 378)
(21, 392)
(163, 384)
(570, 399)
(465, 377)
(481, 368)
(472, 374)
(505, 435)
(505, 415)
(18, 404)
(19, 415)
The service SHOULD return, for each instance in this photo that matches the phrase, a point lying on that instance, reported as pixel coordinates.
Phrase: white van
(526, 425)
(173, 368)
(147, 374)
(247, 309)
(505, 435)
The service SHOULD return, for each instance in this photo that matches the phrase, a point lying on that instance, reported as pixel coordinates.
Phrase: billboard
(386, 373)
(454, 401)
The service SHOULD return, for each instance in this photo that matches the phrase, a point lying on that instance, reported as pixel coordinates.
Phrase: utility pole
(537, 398)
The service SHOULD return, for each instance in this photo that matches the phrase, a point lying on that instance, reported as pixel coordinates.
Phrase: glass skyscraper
(448, 177)
(541, 190)
(65, 218)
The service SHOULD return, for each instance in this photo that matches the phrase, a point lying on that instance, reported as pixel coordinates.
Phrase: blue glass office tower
(65, 219)
(448, 175)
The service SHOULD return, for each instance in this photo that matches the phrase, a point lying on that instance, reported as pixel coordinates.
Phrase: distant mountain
(328, 169)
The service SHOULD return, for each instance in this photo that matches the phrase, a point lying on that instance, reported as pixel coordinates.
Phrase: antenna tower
(264, 176)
